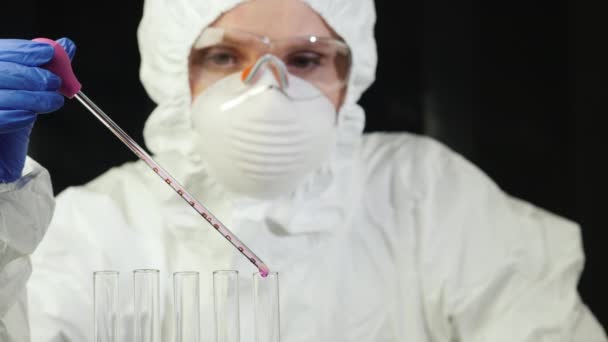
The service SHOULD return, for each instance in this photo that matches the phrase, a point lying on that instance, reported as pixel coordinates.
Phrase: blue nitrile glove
(25, 90)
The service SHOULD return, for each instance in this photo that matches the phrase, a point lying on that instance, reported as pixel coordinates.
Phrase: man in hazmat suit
(377, 237)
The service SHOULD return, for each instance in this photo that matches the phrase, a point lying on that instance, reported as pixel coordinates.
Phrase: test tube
(187, 306)
(147, 305)
(266, 307)
(226, 306)
(105, 306)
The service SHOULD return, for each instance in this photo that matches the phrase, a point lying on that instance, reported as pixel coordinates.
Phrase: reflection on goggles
(219, 52)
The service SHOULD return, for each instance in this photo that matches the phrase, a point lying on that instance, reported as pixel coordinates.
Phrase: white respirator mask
(256, 139)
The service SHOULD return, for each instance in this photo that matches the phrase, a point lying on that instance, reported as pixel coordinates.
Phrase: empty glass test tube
(147, 305)
(266, 307)
(105, 304)
(186, 291)
(226, 306)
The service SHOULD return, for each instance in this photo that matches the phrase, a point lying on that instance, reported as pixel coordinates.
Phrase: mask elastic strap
(276, 65)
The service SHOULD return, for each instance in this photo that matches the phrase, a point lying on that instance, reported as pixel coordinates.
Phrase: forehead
(275, 19)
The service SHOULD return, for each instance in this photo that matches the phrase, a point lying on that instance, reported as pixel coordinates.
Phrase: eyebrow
(231, 39)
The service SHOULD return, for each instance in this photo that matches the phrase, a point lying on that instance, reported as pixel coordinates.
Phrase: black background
(514, 86)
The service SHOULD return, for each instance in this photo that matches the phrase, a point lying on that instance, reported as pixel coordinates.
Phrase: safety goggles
(219, 52)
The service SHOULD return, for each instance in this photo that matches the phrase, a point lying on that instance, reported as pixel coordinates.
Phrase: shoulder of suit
(406, 151)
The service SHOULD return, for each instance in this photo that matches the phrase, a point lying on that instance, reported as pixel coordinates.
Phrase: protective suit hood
(166, 34)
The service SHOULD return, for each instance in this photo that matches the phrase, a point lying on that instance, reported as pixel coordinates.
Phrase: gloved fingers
(13, 120)
(19, 77)
(25, 52)
(68, 45)
(34, 101)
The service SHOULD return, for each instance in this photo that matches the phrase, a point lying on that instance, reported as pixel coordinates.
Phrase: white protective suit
(396, 238)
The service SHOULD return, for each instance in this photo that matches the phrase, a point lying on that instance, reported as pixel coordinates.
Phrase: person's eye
(221, 57)
(304, 61)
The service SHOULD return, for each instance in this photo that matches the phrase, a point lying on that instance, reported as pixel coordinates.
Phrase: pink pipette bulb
(61, 66)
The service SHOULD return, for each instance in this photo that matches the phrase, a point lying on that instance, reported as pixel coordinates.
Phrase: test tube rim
(186, 273)
(225, 272)
(146, 270)
(259, 274)
(108, 272)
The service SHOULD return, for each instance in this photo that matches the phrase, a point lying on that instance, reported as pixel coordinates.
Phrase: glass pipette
(70, 88)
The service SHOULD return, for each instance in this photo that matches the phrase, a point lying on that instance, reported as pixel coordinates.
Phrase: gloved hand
(25, 90)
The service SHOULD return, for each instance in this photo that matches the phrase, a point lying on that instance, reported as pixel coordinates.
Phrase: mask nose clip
(276, 66)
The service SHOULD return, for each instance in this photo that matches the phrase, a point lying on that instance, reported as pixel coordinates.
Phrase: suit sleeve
(497, 268)
(26, 208)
